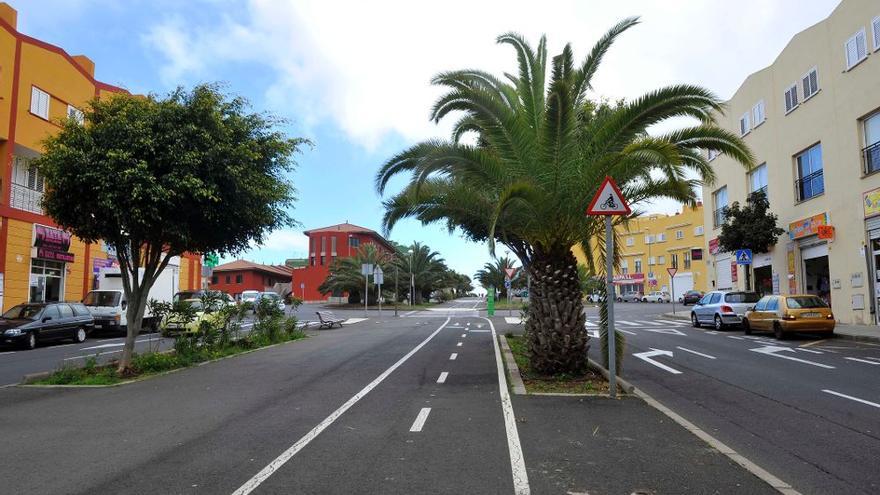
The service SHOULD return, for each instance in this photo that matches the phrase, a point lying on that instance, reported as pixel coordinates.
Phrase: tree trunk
(134, 316)
(555, 329)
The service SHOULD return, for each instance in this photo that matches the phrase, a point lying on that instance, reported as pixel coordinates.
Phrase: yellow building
(41, 85)
(815, 108)
(651, 244)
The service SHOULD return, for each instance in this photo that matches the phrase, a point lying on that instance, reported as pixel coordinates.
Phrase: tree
(527, 155)
(494, 274)
(159, 177)
(345, 273)
(752, 226)
(425, 266)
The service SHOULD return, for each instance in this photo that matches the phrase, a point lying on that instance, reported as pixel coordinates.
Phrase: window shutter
(875, 28)
(861, 45)
(744, 125)
(791, 98)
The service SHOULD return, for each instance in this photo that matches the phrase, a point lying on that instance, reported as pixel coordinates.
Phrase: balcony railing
(871, 158)
(718, 216)
(27, 199)
(810, 185)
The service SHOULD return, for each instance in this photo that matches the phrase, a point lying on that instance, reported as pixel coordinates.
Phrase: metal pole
(366, 293)
(672, 284)
(396, 277)
(379, 297)
(609, 295)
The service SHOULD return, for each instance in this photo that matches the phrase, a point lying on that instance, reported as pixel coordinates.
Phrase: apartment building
(41, 85)
(650, 244)
(812, 119)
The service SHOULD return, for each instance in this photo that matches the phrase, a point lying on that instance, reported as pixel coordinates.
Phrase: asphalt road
(805, 409)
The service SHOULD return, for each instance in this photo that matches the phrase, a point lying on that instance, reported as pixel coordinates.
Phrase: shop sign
(807, 227)
(696, 254)
(100, 263)
(733, 273)
(826, 232)
(52, 244)
(792, 281)
(871, 202)
(714, 246)
(630, 278)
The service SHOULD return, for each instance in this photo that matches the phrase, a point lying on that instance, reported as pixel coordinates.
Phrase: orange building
(40, 85)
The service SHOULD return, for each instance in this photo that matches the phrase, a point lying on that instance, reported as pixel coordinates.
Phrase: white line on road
(670, 322)
(863, 360)
(478, 331)
(458, 344)
(463, 335)
(8, 352)
(712, 332)
(420, 420)
(735, 337)
(850, 397)
(628, 323)
(646, 357)
(590, 325)
(453, 356)
(442, 378)
(251, 484)
(651, 323)
(626, 331)
(695, 352)
(97, 354)
(517, 462)
(810, 351)
(772, 350)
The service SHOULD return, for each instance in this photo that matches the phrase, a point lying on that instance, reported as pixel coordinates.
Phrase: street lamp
(412, 281)
(650, 265)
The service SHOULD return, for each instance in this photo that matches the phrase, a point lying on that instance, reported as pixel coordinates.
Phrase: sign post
(366, 270)
(508, 285)
(609, 201)
(490, 301)
(378, 279)
(302, 287)
(744, 257)
(672, 272)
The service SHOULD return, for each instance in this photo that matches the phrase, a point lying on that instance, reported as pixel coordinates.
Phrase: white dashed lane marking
(453, 356)
(419, 423)
(442, 378)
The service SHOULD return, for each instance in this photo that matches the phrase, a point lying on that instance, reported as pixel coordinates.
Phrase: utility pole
(396, 278)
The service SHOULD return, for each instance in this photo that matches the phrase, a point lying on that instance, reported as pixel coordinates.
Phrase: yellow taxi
(175, 323)
(798, 313)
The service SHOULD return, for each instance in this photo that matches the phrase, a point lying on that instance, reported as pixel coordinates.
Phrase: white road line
(695, 352)
(420, 420)
(651, 323)
(712, 332)
(875, 359)
(735, 337)
(863, 360)
(809, 350)
(97, 354)
(628, 323)
(458, 344)
(8, 352)
(251, 484)
(671, 322)
(442, 378)
(478, 331)
(850, 397)
(517, 462)
(453, 356)
(626, 331)
(591, 325)
(463, 335)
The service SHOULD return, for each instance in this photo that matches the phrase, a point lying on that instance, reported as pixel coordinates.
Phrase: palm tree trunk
(555, 329)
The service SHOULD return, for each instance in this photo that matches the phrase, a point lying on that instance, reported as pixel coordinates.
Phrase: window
(673, 260)
(715, 298)
(719, 198)
(637, 265)
(698, 230)
(875, 29)
(66, 312)
(758, 114)
(27, 186)
(810, 83)
(322, 259)
(323, 246)
(661, 260)
(856, 49)
(215, 280)
(649, 239)
(333, 246)
(75, 114)
(810, 182)
(791, 98)
(773, 304)
(871, 152)
(39, 102)
(711, 154)
(354, 242)
(228, 278)
(624, 264)
(661, 237)
(744, 125)
(762, 304)
(630, 241)
(687, 259)
(652, 261)
(624, 270)
(679, 234)
(758, 179)
(238, 278)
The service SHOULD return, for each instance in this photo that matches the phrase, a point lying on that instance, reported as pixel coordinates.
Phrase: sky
(353, 77)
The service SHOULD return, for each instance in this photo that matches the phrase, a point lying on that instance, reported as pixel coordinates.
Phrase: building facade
(651, 244)
(238, 276)
(41, 85)
(326, 244)
(816, 109)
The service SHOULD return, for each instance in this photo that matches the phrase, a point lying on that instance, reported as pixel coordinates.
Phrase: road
(807, 410)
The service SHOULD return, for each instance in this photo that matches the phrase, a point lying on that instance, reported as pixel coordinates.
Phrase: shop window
(46, 281)
(811, 181)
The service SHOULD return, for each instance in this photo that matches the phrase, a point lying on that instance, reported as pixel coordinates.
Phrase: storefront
(810, 237)
(633, 282)
(762, 265)
(49, 257)
(725, 266)
(871, 205)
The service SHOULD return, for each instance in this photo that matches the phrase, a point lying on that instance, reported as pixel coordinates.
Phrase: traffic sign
(743, 256)
(366, 268)
(507, 283)
(671, 271)
(608, 200)
(211, 260)
(510, 272)
(378, 276)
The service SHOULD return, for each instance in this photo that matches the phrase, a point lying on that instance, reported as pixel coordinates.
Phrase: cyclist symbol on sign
(609, 203)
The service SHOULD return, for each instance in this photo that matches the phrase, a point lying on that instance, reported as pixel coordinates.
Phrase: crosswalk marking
(628, 323)
(652, 323)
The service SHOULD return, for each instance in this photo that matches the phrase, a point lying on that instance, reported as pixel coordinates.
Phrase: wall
(314, 275)
(251, 280)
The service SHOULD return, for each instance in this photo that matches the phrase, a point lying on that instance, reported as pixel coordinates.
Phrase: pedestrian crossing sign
(743, 256)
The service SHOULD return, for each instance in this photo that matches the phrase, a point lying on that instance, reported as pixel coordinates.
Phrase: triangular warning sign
(510, 272)
(608, 201)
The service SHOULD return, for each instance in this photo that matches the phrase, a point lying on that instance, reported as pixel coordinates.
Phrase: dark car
(691, 297)
(27, 325)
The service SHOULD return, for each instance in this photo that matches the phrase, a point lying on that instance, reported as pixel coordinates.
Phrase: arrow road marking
(670, 331)
(863, 360)
(695, 352)
(772, 350)
(646, 357)
(863, 401)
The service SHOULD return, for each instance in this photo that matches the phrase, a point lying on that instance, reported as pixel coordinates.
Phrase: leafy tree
(494, 274)
(159, 177)
(751, 226)
(526, 156)
(426, 267)
(345, 273)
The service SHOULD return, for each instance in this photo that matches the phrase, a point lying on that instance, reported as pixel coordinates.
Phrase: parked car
(690, 297)
(175, 323)
(657, 297)
(594, 298)
(630, 297)
(27, 325)
(722, 308)
(200, 293)
(786, 314)
(249, 296)
(274, 297)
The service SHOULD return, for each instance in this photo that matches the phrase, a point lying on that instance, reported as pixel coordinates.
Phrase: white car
(657, 297)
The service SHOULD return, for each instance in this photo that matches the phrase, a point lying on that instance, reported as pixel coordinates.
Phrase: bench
(328, 319)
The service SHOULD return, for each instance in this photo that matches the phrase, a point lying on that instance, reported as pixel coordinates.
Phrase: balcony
(27, 199)
(871, 158)
(810, 185)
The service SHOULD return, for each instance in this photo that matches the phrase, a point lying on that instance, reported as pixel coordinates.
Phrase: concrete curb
(622, 383)
(516, 382)
(676, 317)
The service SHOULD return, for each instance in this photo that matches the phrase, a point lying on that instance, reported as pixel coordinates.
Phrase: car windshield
(102, 298)
(194, 304)
(23, 311)
(804, 302)
(187, 294)
(741, 297)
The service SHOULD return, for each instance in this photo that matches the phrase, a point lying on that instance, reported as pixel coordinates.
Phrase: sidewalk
(863, 333)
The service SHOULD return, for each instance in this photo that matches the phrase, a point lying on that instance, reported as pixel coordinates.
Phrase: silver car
(722, 308)
(630, 297)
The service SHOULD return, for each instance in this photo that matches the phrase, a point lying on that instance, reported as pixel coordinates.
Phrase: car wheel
(694, 321)
(777, 331)
(719, 325)
(619, 299)
(746, 327)
(31, 342)
(79, 335)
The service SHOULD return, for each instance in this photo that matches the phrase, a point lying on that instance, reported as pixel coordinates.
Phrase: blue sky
(353, 76)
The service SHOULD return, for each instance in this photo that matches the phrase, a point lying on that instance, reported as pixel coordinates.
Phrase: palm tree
(345, 273)
(493, 275)
(427, 268)
(527, 155)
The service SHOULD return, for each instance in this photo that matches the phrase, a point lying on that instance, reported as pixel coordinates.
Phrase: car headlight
(12, 332)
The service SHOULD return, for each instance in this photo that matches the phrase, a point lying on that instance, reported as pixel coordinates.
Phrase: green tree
(751, 226)
(345, 273)
(494, 274)
(424, 267)
(158, 177)
(526, 157)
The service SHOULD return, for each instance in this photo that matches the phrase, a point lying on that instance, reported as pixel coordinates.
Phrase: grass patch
(590, 382)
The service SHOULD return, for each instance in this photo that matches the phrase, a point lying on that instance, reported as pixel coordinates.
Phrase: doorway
(47, 281)
(816, 274)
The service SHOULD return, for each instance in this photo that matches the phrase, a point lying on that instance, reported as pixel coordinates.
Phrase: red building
(240, 275)
(325, 245)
